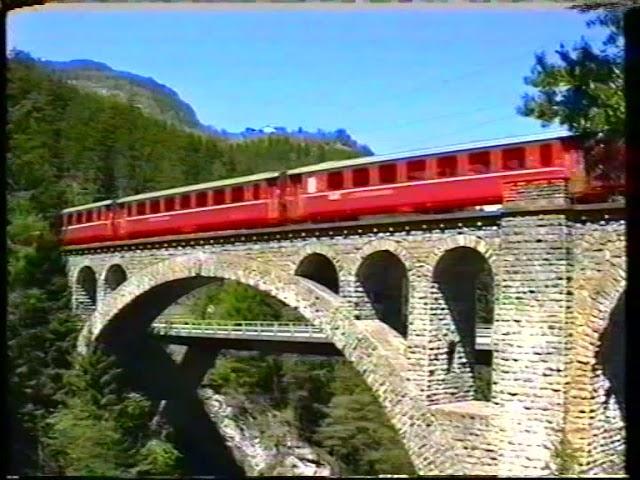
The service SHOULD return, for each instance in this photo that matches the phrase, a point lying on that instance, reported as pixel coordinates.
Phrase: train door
(118, 218)
(274, 195)
(293, 197)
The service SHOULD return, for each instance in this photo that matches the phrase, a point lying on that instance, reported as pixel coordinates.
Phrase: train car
(91, 223)
(236, 203)
(434, 180)
(428, 180)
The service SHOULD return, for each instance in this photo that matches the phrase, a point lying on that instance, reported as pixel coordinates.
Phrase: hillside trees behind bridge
(67, 147)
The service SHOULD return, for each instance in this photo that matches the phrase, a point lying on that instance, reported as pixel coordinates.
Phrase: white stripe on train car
(215, 207)
(439, 180)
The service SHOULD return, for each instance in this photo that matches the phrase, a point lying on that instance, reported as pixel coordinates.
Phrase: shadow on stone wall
(384, 278)
(611, 355)
(320, 269)
(148, 368)
(465, 281)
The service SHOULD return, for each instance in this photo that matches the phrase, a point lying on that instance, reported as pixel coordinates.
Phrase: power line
(428, 119)
(471, 127)
(447, 81)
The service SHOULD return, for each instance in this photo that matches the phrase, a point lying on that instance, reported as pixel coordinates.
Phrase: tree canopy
(584, 91)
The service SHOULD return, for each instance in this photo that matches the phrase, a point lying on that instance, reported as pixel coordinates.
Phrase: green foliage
(84, 442)
(103, 429)
(482, 380)
(565, 458)
(232, 303)
(158, 458)
(306, 384)
(68, 147)
(584, 91)
(256, 374)
(356, 432)
(238, 303)
(325, 400)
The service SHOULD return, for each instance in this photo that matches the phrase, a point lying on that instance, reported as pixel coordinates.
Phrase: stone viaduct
(396, 297)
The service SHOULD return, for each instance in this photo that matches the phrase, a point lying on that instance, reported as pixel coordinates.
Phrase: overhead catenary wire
(468, 128)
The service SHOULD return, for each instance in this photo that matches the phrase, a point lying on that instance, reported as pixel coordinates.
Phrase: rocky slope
(262, 440)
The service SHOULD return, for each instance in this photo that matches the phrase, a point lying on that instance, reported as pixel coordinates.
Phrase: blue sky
(396, 80)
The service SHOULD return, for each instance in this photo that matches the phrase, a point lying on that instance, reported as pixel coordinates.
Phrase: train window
(295, 180)
(360, 177)
(479, 162)
(143, 208)
(130, 210)
(256, 191)
(201, 199)
(388, 173)
(546, 155)
(272, 182)
(169, 204)
(155, 207)
(237, 194)
(416, 170)
(185, 201)
(335, 181)
(89, 216)
(219, 197)
(513, 158)
(446, 166)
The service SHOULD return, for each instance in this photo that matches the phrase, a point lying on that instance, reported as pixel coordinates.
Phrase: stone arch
(86, 289)
(610, 356)
(114, 276)
(461, 298)
(383, 277)
(384, 244)
(322, 249)
(319, 268)
(462, 240)
(594, 375)
(429, 444)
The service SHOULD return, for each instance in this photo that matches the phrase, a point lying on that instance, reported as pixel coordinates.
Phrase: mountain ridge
(161, 101)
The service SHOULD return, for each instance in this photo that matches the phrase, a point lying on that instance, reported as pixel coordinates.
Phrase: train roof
(88, 205)
(429, 151)
(330, 166)
(201, 186)
(178, 190)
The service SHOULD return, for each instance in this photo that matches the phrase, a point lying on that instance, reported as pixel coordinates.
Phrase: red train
(464, 176)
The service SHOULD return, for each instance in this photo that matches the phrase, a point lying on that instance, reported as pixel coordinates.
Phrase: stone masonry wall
(556, 282)
(530, 335)
(595, 424)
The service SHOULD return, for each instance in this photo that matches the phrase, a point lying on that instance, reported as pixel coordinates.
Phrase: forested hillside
(75, 416)
(161, 102)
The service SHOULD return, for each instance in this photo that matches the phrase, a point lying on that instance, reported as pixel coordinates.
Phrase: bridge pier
(531, 329)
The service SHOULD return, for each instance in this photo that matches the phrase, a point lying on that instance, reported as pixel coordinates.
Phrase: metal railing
(484, 331)
(185, 325)
(275, 329)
